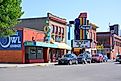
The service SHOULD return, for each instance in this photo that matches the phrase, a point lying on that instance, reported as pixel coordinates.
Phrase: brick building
(84, 35)
(111, 41)
(42, 40)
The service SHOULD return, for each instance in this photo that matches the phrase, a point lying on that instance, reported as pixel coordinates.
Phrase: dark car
(68, 59)
(84, 57)
(97, 58)
(117, 57)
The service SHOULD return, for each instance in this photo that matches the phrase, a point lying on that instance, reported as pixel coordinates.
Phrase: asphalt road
(90, 72)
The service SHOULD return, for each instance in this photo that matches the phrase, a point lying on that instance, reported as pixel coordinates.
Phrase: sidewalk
(25, 65)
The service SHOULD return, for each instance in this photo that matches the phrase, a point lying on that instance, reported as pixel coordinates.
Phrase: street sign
(82, 43)
(85, 27)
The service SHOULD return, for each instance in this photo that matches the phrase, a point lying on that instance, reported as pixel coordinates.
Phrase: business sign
(100, 47)
(85, 27)
(82, 43)
(30, 43)
(13, 42)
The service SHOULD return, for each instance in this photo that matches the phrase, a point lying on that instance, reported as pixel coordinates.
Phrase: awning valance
(63, 46)
(42, 44)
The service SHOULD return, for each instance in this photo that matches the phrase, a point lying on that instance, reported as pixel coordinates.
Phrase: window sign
(81, 43)
(13, 42)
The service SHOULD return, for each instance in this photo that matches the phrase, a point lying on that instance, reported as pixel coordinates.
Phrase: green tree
(10, 11)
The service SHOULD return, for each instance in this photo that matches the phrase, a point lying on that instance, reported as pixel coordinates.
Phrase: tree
(10, 11)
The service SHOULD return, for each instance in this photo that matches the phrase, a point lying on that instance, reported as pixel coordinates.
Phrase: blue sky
(100, 12)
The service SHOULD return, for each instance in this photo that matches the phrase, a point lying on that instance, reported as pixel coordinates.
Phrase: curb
(25, 65)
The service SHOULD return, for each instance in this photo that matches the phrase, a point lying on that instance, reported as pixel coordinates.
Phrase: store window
(39, 52)
(34, 53)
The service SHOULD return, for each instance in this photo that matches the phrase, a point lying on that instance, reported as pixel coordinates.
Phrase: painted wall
(13, 42)
(33, 35)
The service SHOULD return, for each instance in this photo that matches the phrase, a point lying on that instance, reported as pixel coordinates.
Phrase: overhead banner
(13, 42)
(82, 43)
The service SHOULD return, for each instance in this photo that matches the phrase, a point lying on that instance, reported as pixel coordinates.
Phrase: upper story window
(62, 31)
(53, 29)
(59, 30)
(56, 29)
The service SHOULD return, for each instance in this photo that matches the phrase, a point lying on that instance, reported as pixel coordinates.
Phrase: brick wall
(10, 56)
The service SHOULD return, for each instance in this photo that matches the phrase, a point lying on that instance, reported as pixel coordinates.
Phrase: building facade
(12, 48)
(84, 35)
(111, 42)
(41, 40)
(54, 29)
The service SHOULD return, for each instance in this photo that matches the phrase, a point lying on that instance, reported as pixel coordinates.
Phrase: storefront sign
(13, 42)
(29, 43)
(100, 47)
(81, 43)
(85, 27)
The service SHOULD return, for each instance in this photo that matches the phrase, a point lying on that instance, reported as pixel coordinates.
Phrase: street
(109, 71)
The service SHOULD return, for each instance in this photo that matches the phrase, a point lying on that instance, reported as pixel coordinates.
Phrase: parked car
(97, 58)
(81, 58)
(68, 59)
(84, 57)
(117, 57)
(105, 58)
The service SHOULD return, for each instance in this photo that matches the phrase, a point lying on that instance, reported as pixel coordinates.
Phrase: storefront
(44, 52)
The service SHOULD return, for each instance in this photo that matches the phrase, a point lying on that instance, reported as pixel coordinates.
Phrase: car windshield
(68, 55)
(81, 55)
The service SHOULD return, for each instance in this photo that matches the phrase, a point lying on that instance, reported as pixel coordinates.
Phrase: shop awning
(63, 46)
(42, 44)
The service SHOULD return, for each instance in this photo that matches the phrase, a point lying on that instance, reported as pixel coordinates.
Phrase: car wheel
(70, 62)
(90, 62)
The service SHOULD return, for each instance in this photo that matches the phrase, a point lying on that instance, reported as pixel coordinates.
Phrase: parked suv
(68, 59)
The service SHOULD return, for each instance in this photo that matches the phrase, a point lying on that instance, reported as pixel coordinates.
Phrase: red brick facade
(11, 56)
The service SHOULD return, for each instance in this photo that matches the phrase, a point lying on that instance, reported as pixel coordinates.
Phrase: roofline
(102, 32)
(32, 18)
